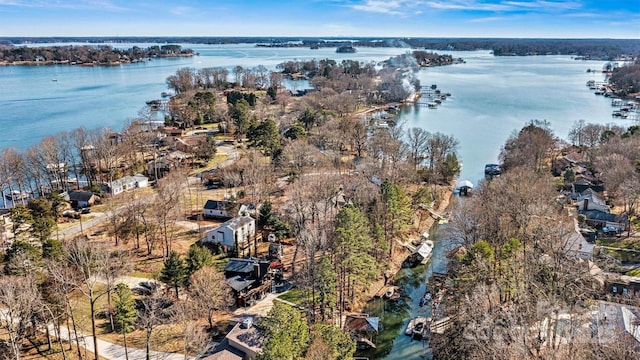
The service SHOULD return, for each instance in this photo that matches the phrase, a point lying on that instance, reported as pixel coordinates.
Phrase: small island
(346, 49)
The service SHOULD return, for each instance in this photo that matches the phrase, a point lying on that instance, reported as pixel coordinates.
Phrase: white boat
(420, 256)
(465, 187)
(417, 327)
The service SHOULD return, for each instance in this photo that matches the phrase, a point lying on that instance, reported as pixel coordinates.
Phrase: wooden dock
(440, 326)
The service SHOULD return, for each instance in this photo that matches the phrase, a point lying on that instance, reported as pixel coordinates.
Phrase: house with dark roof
(363, 329)
(249, 278)
(218, 209)
(600, 219)
(82, 199)
(584, 182)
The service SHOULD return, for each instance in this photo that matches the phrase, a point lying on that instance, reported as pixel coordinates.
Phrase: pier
(431, 97)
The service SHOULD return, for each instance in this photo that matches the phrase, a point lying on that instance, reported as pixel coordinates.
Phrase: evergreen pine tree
(126, 313)
(174, 271)
(197, 258)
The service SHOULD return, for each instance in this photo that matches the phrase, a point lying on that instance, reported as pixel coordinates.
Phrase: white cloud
(474, 5)
(180, 10)
(66, 4)
(489, 19)
(391, 7)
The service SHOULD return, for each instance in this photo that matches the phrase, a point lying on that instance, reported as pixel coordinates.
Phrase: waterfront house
(590, 200)
(82, 199)
(600, 219)
(172, 131)
(587, 181)
(234, 234)
(363, 329)
(218, 209)
(126, 183)
(249, 278)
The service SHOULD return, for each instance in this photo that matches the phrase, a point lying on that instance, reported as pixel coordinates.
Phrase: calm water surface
(494, 96)
(491, 98)
(33, 105)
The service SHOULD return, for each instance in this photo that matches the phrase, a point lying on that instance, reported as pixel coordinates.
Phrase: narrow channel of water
(392, 343)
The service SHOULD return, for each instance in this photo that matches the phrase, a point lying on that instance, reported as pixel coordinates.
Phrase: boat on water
(16, 195)
(420, 256)
(418, 327)
(465, 187)
(393, 293)
(424, 300)
(492, 170)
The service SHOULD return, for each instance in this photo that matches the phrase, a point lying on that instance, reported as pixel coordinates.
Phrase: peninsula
(87, 55)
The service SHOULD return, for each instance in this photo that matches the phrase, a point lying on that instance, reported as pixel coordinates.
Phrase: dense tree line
(626, 79)
(88, 54)
(592, 48)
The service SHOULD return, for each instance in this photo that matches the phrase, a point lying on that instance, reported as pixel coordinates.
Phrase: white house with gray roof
(126, 183)
(235, 232)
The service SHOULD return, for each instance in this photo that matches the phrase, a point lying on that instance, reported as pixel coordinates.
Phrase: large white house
(235, 232)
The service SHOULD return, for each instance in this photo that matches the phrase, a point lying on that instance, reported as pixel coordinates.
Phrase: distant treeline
(86, 54)
(603, 49)
(588, 48)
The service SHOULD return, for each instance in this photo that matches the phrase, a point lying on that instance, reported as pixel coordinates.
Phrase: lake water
(491, 96)
(34, 105)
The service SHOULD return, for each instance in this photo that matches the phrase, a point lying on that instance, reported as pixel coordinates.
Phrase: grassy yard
(213, 163)
(623, 244)
(298, 296)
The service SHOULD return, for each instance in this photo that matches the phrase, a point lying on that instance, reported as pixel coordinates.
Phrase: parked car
(611, 230)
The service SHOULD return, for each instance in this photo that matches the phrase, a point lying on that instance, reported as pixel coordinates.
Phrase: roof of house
(251, 338)
(240, 272)
(361, 323)
(139, 177)
(237, 222)
(217, 205)
(239, 283)
(592, 197)
(224, 351)
(245, 265)
(603, 216)
(80, 195)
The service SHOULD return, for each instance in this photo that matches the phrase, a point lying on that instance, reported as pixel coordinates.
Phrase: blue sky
(376, 18)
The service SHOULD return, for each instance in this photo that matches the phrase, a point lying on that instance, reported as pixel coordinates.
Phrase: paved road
(112, 351)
